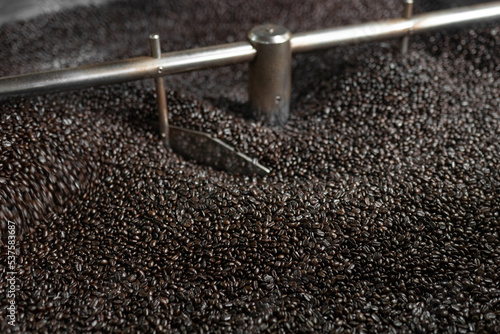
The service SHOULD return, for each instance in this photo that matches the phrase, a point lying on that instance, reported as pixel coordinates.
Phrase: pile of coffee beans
(381, 213)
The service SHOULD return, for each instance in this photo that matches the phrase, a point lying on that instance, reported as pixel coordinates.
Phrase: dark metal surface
(204, 149)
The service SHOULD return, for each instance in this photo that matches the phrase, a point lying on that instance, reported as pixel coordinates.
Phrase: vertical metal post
(407, 13)
(270, 74)
(161, 99)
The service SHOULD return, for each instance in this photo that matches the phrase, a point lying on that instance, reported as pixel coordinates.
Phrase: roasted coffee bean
(381, 213)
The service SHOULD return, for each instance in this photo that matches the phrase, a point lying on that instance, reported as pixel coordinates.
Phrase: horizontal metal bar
(321, 39)
(226, 54)
(127, 70)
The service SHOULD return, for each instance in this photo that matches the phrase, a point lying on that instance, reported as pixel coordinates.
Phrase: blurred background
(25, 9)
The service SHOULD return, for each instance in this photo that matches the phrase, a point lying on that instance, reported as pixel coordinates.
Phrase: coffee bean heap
(381, 213)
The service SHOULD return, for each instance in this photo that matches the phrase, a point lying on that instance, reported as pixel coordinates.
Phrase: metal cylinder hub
(270, 75)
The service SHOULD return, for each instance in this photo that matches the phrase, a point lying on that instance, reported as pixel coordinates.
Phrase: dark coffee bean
(380, 213)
